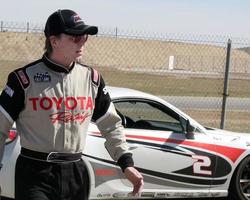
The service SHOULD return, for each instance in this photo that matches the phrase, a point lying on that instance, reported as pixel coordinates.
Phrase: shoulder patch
(22, 77)
(95, 76)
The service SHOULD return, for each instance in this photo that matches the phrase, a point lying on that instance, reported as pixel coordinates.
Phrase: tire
(240, 184)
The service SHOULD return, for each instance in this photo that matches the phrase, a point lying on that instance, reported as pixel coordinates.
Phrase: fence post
(28, 26)
(226, 81)
(116, 32)
(1, 26)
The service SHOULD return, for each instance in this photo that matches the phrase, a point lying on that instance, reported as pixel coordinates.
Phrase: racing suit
(53, 106)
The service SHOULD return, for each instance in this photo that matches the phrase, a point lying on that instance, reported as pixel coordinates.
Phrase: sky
(197, 17)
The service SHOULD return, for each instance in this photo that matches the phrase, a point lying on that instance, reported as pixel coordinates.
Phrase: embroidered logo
(23, 77)
(69, 109)
(42, 77)
(69, 103)
(8, 91)
(77, 19)
(67, 117)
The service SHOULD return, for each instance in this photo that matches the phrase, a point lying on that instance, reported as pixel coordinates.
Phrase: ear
(53, 41)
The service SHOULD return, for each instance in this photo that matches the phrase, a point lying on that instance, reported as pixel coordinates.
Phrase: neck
(61, 60)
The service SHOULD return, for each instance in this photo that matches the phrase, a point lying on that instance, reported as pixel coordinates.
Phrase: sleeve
(102, 101)
(110, 125)
(11, 103)
(3, 137)
(12, 98)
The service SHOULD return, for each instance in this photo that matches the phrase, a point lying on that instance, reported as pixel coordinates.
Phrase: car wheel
(240, 183)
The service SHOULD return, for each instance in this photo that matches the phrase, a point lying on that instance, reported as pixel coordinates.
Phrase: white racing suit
(53, 106)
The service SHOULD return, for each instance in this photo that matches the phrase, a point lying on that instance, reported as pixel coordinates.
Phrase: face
(69, 47)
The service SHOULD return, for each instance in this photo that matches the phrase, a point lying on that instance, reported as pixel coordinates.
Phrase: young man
(53, 101)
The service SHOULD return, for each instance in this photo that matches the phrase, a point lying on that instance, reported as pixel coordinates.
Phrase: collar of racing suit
(56, 67)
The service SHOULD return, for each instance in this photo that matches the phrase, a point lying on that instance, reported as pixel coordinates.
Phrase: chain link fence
(186, 70)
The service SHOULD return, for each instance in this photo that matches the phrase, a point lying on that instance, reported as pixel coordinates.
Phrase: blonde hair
(48, 48)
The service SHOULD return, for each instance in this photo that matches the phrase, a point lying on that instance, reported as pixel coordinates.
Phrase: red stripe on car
(231, 152)
(105, 172)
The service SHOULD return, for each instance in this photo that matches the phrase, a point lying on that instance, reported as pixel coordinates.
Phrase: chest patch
(42, 77)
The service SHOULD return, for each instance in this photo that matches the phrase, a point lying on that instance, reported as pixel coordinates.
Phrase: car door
(173, 163)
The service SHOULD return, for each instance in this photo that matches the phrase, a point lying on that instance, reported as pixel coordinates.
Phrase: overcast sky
(208, 17)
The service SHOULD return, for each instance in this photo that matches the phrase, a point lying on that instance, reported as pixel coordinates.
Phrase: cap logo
(77, 18)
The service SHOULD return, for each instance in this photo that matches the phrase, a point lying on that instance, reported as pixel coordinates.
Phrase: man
(53, 101)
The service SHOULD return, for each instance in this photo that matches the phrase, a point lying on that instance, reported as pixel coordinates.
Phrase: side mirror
(188, 129)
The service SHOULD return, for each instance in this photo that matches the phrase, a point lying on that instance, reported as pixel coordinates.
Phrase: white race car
(178, 157)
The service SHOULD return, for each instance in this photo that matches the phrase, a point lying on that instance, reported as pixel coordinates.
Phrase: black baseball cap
(68, 22)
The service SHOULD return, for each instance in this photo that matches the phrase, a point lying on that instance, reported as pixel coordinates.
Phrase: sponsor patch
(8, 91)
(95, 76)
(42, 77)
(68, 117)
(23, 77)
(105, 91)
(69, 103)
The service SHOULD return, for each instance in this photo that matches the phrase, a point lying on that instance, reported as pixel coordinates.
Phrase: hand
(135, 178)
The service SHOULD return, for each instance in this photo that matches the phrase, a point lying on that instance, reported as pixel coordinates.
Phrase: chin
(78, 58)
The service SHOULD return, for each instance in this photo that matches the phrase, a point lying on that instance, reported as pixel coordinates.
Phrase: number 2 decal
(199, 163)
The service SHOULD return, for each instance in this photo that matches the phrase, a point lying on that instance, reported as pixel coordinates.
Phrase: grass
(175, 85)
